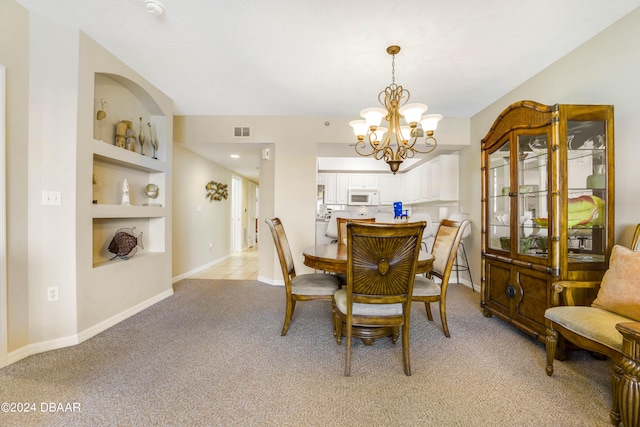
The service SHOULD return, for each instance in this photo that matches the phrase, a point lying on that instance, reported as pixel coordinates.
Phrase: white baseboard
(106, 324)
(271, 282)
(199, 269)
(468, 284)
(41, 347)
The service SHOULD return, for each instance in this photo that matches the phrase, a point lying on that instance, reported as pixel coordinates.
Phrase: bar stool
(332, 226)
(462, 262)
(428, 230)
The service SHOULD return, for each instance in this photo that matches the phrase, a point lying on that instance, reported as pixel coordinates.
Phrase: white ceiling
(305, 57)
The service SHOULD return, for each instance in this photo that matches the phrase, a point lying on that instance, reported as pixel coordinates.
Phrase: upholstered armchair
(598, 325)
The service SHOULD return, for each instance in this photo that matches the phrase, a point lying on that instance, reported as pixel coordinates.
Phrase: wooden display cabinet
(547, 206)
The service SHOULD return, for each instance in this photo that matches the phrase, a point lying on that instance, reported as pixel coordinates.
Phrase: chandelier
(395, 143)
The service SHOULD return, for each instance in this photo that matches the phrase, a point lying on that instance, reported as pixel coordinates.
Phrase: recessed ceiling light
(154, 7)
(234, 156)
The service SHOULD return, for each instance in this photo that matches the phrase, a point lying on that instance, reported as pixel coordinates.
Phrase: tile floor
(239, 266)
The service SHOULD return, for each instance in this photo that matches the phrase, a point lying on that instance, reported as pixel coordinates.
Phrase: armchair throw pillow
(620, 288)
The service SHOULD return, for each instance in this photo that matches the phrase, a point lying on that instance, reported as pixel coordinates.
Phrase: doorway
(252, 215)
(236, 214)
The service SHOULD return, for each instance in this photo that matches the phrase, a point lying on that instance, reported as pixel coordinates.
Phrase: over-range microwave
(363, 197)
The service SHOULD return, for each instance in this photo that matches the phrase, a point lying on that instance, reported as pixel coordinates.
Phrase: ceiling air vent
(241, 132)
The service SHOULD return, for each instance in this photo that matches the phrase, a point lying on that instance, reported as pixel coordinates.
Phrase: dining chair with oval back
(303, 287)
(462, 262)
(445, 248)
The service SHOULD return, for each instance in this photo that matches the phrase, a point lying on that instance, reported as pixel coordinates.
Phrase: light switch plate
(51, 198)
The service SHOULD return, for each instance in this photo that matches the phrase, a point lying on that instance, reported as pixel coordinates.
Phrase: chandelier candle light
(380, 141)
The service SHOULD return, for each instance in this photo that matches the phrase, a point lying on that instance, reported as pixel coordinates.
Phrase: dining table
(332, 258)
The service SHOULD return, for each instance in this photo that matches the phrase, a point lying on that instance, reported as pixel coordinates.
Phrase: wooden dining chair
(381, 269)
(303, 287)
(445, 249)
(342, 227)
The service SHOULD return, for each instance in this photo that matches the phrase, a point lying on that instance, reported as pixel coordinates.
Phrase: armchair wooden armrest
(575, 292)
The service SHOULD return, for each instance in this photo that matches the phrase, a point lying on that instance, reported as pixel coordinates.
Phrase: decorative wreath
(216, 191)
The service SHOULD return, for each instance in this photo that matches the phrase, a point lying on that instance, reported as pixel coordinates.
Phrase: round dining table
(333, 258)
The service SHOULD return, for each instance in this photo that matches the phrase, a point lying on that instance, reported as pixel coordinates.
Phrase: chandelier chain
(393, 69)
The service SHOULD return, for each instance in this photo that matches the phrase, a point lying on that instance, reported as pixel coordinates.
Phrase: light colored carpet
(212, 355)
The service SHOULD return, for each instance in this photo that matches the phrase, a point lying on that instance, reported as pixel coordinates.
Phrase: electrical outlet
(52, 293)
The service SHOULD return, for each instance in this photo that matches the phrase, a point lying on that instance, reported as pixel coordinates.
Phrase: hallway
(239, 266)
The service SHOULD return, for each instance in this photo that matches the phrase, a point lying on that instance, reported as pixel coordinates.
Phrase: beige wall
(193, 230)
(53, 134)
(14, 55)
(602, 71)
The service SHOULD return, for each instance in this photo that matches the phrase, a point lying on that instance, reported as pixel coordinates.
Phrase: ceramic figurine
(125, 193)
(153, 141)
(141, 138)
(100, 116)
(131, 140)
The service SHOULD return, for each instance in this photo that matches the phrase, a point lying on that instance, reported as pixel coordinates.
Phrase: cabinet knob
(510, 291)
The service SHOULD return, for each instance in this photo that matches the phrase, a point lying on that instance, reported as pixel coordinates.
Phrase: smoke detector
(154, 7)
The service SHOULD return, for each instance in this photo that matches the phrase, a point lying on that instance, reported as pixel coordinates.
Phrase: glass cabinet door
(533, 194)
(587, 193)
(499, 189)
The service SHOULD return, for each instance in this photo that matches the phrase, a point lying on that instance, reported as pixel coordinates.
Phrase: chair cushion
(620, 288)
(366, 309)
(315, 284)
(593, 323)
(423, 287)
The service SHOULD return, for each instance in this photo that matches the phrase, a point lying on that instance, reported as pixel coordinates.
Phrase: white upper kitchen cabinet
(366, 181)
(434, 181)
(389, 188)
(410, 184)
(443, 183)
(342, 188)
(330, 197)
(336, 187)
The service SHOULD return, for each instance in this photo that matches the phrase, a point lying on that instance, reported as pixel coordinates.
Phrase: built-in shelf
(116, 155)
(114, 262)
(112, 165)
(120, 211)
